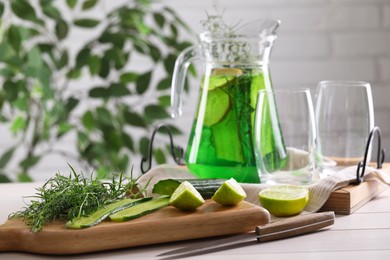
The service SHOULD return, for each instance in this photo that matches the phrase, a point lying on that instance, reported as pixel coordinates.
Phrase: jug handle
(178, 79)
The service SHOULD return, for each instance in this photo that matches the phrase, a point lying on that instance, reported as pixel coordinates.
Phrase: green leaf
(11, 90)
(174, 130)
(71, 103)
(71, 3)
(104, 68)
(128, 77)
(63, 128)
(154, 52)
(169, 63)
(128, 141)
(82, 57)
(117, 39)
(143, 82)
(63, 61)
(94, 64)
(29, 161)
(6, 157)
(51, 11)
(159, 155)
(164, 84)
(14, 37)
(86, 22)
(144, 146)
(4, 179)
(116, 55)
(61, 29)
(118, 90)
(17, 124)
(7, 52)
(88, 121)
(134, 119)
(24, 177)
(88, 4)
(24, 10)
(155, 112)
(164, 101)
(159, 19)
(98, 92)
(74, 74)
(1, 9)
(104, 116)
(174, 30)
(21, 102)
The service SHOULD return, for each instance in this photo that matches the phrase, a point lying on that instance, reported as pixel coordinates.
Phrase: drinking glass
(344, 116)
(288, 116)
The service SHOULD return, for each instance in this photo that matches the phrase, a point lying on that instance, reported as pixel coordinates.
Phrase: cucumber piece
(140, 209)
(99, 215)
(206, 187)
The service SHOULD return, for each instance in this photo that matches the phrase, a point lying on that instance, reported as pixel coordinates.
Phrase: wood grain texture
(166, 225)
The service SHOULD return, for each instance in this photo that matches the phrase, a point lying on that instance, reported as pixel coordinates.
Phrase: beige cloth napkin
(319, 191)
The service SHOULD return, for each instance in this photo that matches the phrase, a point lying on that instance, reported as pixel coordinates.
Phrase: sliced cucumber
(206, 187)
(140, 209)
(101, 214)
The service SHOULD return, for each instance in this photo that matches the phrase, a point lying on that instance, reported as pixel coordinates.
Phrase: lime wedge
(230, 193)
(186, 197)
(284, 200)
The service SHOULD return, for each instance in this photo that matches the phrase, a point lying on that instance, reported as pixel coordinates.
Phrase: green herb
(65, 198)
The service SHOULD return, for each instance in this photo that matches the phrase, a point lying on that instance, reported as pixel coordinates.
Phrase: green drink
(221, 140)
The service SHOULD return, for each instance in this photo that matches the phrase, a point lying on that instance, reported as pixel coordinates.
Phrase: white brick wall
(318, 40)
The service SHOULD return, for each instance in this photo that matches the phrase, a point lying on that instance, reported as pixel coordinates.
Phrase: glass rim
(344, 83)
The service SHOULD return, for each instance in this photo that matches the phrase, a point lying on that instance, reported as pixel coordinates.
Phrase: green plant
(43, 100)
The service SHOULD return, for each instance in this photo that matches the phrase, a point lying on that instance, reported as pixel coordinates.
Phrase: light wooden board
(350, 198)
(166, 225)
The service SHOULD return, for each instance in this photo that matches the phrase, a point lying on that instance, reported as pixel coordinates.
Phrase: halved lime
(230, 193)
(186, 197)
(284, 200)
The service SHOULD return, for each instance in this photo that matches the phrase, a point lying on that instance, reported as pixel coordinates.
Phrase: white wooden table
(362, 235)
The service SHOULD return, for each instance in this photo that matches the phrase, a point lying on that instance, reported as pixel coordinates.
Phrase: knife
(293, 226)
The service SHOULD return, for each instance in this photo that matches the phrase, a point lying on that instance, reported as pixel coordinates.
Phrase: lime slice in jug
(284, 200)
(217, 105)
(230, 193)
(222, 76)
(186, 197)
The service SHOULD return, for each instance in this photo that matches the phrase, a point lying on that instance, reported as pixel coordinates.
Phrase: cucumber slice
(140, 209)
(101, 214)
(227, 140)
(206, 187)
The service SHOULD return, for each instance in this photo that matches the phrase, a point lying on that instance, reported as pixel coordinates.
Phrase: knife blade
(289, 227)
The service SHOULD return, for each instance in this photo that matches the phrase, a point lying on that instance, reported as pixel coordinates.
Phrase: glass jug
(234, 69)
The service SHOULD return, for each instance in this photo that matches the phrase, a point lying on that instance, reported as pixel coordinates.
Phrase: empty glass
(344, 116)
(288, 116)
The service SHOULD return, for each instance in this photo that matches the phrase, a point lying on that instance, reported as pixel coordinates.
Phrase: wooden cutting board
(166, 225)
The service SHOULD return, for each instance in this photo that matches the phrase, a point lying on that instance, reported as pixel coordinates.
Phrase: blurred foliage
(38, 72)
